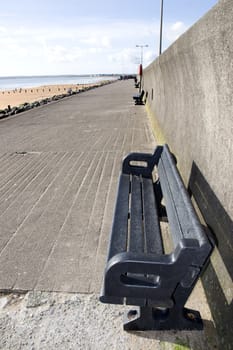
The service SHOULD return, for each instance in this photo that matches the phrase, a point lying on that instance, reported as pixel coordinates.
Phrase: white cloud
(177, 26)
(3, 30)
(98, 40)
(89, 40)
(105, 41)
(85, 48)
(94, 50)
(173, 31)
(149, 56)
(122, 56)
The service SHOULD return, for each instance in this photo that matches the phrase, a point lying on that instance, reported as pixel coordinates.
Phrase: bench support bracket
(148, 318)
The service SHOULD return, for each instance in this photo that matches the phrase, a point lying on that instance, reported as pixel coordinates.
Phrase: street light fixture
(142, 46)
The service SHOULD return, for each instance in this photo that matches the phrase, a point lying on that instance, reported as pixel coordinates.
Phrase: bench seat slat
(119, 236)
(136, 239)
(153, 241)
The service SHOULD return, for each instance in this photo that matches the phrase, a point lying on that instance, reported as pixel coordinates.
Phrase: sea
(10, 83)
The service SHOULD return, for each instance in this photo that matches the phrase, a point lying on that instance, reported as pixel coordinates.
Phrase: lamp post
(161, 28)
(141, 64)
(142, 46)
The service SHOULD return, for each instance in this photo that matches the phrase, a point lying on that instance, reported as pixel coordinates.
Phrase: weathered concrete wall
(190, 100)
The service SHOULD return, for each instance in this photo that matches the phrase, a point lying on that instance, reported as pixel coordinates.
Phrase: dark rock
(20, 109)
(13, 111)
(27, 106)
(3, 115)
(36, 104)
(43, 102)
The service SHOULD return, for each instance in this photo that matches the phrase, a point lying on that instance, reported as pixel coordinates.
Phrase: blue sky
(88, 36)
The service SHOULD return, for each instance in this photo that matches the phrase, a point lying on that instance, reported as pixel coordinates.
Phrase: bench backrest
(182, 218)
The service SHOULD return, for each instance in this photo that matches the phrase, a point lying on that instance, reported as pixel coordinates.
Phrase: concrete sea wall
(189, 91)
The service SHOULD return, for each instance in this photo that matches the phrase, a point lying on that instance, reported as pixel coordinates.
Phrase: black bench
(138, 270)
(139, 98)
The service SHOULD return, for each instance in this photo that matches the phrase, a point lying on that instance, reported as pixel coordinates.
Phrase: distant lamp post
(142, 46)
(161, 28)
(141, 65)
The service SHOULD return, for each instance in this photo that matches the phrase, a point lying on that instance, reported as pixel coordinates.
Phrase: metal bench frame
(138, 272)
(139, 98)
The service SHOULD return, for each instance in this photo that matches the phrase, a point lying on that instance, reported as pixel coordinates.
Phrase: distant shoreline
(13, 82)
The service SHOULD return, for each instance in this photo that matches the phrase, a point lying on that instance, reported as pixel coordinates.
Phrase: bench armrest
(147, 160)
(149, 276)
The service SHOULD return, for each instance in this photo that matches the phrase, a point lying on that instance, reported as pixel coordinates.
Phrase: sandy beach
(21, 95)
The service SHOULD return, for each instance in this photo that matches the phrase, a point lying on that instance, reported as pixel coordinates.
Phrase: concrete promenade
(59, 167)
(58, 172)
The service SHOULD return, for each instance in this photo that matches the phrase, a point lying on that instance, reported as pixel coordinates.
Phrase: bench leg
(148, 318)
(139, 102)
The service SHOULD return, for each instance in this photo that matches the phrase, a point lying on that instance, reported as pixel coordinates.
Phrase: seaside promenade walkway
(59, 167)
(58, 175)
